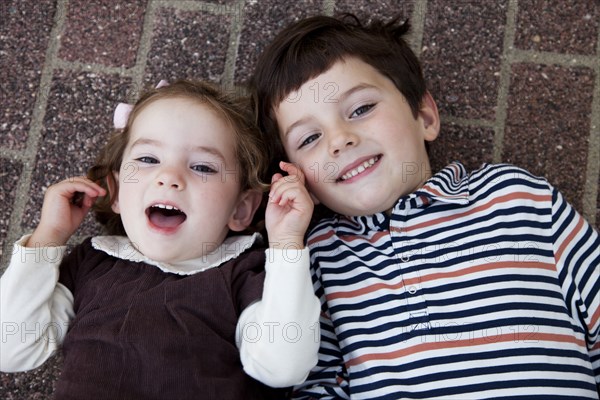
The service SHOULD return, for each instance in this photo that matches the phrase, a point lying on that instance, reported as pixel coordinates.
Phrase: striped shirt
(477, 286)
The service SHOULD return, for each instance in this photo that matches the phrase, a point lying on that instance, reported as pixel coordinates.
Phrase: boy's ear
(244, 211)
(429, 117)
(112, 191)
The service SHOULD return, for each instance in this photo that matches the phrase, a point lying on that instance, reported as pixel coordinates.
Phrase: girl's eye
(309, 140)
(204, 168)
(361, 110)
(147, 160)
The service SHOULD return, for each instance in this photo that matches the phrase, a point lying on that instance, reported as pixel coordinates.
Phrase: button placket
(416, 303)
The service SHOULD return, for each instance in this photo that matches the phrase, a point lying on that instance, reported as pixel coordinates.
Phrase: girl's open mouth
(164, 216)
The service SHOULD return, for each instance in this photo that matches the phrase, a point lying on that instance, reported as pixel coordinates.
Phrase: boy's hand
(289, 209)
(65, 205)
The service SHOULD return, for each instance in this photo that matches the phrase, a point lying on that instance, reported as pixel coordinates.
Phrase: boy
(445, 286)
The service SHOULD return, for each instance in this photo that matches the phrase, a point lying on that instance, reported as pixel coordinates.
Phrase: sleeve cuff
(37, 254)
(288, 259)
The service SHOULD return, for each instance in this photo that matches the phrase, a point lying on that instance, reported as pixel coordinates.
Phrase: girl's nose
(171, 179)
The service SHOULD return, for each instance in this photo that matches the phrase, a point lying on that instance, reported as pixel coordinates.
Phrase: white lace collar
(121, 247)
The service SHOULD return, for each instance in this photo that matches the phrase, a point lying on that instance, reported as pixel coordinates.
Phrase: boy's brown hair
(236, 111)
(311, 46)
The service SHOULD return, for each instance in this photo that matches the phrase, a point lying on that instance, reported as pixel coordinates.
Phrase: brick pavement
(515, 80)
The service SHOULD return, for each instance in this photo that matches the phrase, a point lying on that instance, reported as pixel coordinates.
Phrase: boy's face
(179, 193)
(355, 138)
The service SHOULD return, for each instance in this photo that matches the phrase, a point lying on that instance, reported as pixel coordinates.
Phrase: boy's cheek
(314, 198)
(310, 185)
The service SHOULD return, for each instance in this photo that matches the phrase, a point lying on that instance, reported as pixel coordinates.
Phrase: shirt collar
(450, 185)
(122, 248)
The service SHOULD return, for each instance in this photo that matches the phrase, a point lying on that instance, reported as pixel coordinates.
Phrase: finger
(291, 192)
(277, 176)
(95, 185)
(71, 187)
(272, 190)
(292, 170)
(88, 201)
(295, 198)
(278, 187)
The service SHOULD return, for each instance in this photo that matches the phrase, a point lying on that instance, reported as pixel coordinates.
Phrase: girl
(170, 305)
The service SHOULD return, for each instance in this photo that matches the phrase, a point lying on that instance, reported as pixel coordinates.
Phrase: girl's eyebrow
(201, 149)
(143, 141)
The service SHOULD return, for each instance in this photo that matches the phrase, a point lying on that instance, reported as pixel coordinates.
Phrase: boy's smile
(359, 169)
(354, 136)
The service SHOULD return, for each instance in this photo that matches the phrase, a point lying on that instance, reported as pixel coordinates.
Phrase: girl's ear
(244, 211)
(429, 117)
(112, 191)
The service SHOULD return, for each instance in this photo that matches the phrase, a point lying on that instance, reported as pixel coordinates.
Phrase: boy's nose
(342, 140)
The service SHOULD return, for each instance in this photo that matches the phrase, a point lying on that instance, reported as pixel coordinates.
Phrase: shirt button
(412, 289)
(405, 258)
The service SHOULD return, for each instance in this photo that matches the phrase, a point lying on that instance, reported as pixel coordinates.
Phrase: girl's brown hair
(249, 151)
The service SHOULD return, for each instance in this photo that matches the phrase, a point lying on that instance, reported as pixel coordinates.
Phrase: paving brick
(549, 111)
(24, 35)
(472, 146)
(77, 123)
(558, 26)
(462, 55)
(188, 44)
(37, 384)
(10, 172)
(598, 207)
(366, 9)
(263, 20)
(548, 106)
(103, 31)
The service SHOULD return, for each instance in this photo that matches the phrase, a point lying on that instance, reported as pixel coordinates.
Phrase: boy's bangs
(303, 64)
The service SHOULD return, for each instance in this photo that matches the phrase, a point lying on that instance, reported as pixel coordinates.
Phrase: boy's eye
(309, 140)
(204, 168)
(361, 110)
(147, 160)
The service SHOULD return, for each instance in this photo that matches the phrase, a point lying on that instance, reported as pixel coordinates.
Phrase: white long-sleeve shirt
(36, 309)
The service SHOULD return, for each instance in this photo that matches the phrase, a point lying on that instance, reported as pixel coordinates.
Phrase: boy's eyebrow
(294, 125)
(342, 97)
(354, 89)
(205, 149)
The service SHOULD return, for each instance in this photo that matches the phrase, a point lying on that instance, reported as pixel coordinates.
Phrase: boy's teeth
(360, 169)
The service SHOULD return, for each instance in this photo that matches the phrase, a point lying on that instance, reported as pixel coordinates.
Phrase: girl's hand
(289, 209)
(65, 205)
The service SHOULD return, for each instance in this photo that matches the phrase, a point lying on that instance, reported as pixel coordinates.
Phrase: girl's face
(179, 190)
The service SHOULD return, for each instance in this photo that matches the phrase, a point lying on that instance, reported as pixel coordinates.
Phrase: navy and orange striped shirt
(477, 286)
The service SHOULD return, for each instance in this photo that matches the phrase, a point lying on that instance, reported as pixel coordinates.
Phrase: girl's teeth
(165, 207)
